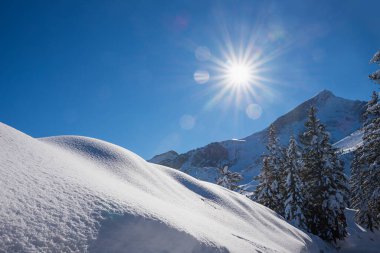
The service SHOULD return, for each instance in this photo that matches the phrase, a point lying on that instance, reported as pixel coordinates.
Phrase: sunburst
(238, 76)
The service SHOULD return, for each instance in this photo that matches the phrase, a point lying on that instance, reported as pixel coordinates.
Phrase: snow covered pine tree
(294, 198)
(326, 188)
(263, 193)
(365, 168)
(229, 179)
(358, 200)
(270, 191)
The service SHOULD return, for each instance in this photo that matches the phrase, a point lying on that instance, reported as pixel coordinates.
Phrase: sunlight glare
(239, 74)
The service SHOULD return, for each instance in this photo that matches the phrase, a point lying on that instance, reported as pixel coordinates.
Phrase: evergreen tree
(356, 181)
(271, 178)
(326, 189)
(264, 193)
(365, 169)
(294, 196)
(371, 142)
(229, 179)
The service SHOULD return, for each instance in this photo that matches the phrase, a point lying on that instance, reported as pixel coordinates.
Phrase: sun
(238, 76)
(238, 73)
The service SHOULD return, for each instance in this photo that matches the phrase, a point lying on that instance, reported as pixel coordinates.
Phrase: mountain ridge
(341, 117)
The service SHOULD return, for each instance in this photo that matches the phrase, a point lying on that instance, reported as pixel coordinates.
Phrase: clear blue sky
(122, 71)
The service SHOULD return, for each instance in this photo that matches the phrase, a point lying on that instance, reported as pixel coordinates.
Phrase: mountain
(341, 117)
(78, 194)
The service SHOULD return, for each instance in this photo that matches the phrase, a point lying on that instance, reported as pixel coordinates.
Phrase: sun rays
(237, 73)
(237, 77)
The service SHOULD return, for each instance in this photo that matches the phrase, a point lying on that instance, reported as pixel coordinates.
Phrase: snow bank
(77, 194)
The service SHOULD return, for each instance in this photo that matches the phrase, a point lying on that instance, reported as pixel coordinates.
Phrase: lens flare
(187, 122)
(201, 76)
(253, 111)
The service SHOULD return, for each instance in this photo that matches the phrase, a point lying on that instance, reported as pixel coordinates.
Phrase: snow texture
(78, 194)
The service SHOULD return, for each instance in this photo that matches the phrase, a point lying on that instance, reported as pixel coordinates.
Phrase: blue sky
(122, 71)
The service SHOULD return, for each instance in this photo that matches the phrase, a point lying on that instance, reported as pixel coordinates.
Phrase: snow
(78, 194)
(350, 143)
(359, 239)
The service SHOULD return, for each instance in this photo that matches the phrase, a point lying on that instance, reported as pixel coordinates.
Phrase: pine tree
(229, 179)
(326, 188)
(264, 193)
(371, 142)
(294, 195)
(356, 181)
(271, 178)
(365, 169)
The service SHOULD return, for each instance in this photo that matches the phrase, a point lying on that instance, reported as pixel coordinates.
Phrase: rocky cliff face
(341, 117)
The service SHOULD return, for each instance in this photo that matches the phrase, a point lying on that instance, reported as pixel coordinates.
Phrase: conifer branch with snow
(229, 179)
(270, 191)
(376, 75)
(294, 195)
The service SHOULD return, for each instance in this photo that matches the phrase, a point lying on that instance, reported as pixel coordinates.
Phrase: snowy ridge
(341, 117)
(78, 194)
(350, 143)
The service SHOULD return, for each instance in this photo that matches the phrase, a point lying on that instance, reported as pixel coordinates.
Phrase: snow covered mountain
(341, 117)
(78, 194)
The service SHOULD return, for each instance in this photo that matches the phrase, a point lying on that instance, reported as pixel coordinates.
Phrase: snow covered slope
(350, 143)
(359, 240)
(341, 116)
(77, 194)
(347, 146)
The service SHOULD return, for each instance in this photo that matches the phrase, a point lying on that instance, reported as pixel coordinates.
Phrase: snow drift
(78, 194)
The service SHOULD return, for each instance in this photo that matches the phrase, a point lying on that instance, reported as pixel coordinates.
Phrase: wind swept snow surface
(77, 194)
